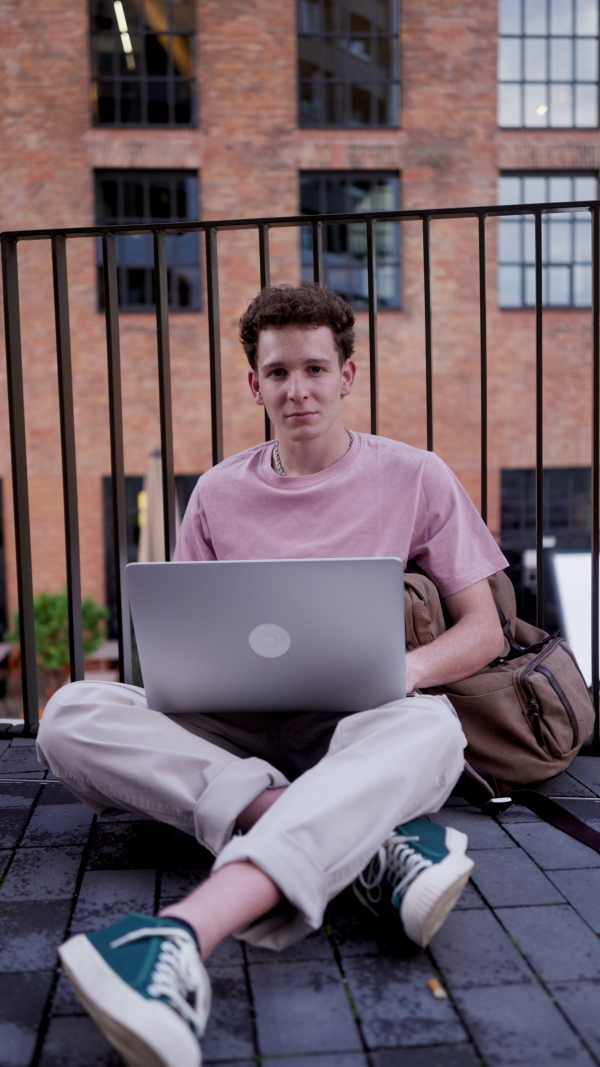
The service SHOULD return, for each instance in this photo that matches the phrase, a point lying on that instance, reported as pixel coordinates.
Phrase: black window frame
(134, 49)
(354, 46)
(339, 232)
(550, 222)
(142, 214)
(546, 83)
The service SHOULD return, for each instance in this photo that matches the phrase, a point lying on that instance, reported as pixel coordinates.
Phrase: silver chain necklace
(277, 457)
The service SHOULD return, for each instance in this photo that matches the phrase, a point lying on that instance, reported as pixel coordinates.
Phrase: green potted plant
(51, 620)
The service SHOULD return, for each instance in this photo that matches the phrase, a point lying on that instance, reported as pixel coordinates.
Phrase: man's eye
(316, 370)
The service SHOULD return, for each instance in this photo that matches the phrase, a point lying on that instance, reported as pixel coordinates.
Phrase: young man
(318, 800)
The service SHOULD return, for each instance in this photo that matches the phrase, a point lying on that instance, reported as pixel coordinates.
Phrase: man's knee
(63, 715)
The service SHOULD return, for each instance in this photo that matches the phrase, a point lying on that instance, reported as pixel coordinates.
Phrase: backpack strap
(480, 789)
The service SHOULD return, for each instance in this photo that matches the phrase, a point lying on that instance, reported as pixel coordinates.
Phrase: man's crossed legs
(316, 798)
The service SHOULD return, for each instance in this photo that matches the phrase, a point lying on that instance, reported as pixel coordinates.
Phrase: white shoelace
(178, 973)
(397, 860)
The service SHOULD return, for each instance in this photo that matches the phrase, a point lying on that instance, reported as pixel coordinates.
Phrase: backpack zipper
(533, 704)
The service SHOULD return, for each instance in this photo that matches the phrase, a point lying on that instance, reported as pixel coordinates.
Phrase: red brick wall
(248, 152)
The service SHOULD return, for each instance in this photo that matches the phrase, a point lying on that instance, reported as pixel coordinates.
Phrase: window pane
(510, 190)
(586, 188)
(509, 242)
(509, 105)
(536, 105)
(586, 59)
(536, 55)
(384, 58)
(135, 250)
(102, 14)
(528, 239)
(182, 16)
(509, 59)
(156, 54)
(158, 106)
(559, 242)
(535, 190)
(535, 16)
(181, 50)
(106, 200)
(103, 54)
(509, 287)
(561, 16)
(510, 16)
(560, 189)
(183, 102)
(361, 104)
(309, 16)
(130, 54)
(106, 101)
(586, 17)
(583, 242)
(582, 287)
(161, 206)
(133, 200)
(561, 105)
(529, 287)
(559, 285)
(561, 59)
(131, 10)
(586, 105)
(131, 110)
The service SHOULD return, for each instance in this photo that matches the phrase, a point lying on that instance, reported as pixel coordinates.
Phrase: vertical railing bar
(265, 281)
(483, 374)
(214, 344)
(539, 424)
(372, 291)
(18, 451)
(117, 452)
(317, 247)
(161, 288)
(427, 298)
(596, 468)
(68, 453)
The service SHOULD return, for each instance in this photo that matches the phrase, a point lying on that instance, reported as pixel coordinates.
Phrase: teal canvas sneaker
(144, 984)
(421, 871)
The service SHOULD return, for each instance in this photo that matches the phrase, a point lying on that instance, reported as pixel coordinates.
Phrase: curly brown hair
(308, 305)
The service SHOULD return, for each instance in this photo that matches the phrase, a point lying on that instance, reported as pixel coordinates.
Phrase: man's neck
(299, 458)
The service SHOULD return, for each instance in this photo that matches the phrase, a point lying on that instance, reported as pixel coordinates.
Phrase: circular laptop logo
(269, 640)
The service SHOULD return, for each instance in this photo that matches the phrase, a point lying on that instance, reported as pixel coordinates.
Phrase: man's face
(300, 381)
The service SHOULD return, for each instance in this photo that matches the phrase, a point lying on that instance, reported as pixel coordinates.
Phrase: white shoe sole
(146, 1033)
(428, 902)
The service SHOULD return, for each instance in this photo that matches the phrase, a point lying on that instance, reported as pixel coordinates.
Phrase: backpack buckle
(496, 805)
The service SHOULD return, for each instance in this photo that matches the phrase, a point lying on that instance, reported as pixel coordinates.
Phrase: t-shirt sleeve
(194, 541)
(450, 541)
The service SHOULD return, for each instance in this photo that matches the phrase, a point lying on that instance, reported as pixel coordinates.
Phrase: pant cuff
(227, 795)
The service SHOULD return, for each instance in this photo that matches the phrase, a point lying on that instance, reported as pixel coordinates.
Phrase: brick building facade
(248, 151)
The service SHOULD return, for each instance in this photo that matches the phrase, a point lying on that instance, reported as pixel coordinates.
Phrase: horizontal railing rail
(58, 238)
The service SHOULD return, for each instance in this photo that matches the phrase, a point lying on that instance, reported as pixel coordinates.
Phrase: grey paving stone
(518, 1026)
(314, 947)
(580, 1001)
(12, 822)
(179, 851)
(439, 1056)
(3, 747)
(22, 1001)
(555, 940)
(30, 933)
(65, 1002)
(20, 760)
(229, 952)
(27, 776)
(469, 898)
(472, 949)
(42, 874)
(357, 933)
(395, 1006)
(53, 792)
(229, 1034)
(551, 849)
(332, 1059)
(586, 769)
(58, 824)
(75, 1042)
(511, 877)
(134, 846)
(566, 784)
(23, 742)
(587, 809)
(301, 1008)
(18, 794)
(178, 883)
(107, 896)
(517, 813)
(582, 889)
(5, 855)
(482, 831)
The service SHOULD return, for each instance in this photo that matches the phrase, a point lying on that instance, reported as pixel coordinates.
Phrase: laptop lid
(269, 635)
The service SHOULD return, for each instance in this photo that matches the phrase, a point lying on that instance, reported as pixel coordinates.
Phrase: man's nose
(296, 387)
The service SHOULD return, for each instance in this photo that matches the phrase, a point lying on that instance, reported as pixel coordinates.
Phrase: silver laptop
(269, 635)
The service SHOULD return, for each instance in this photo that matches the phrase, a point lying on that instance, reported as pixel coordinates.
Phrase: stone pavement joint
(519, 956)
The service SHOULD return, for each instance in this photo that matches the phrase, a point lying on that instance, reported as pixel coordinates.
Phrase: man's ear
(348, 376)
(254, 387)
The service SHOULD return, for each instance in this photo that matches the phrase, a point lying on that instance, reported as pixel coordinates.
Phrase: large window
(142, 62)
(151, 196)
(348, 62)
(566, 242)
(548, 63)
(345, 244)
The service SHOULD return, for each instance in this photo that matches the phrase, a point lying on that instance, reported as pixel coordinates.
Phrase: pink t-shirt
(382, 498)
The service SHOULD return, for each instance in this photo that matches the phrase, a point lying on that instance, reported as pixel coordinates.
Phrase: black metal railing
(58, 240)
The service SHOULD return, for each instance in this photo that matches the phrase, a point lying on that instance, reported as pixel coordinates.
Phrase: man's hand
(475, 639)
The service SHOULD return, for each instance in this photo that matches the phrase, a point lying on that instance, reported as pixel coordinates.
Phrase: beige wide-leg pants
(351, 780)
